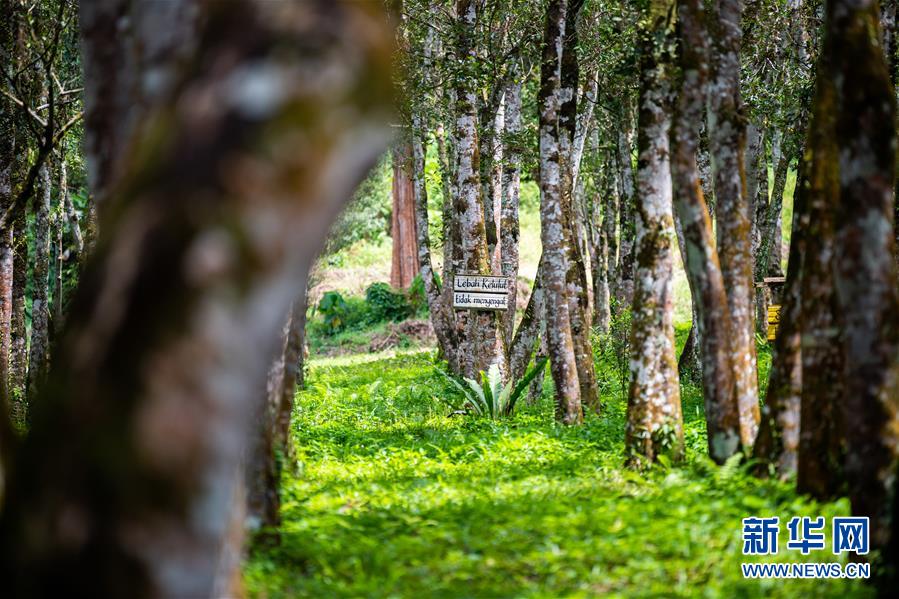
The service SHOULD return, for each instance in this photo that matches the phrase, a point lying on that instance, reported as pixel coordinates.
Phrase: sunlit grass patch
(392, 496)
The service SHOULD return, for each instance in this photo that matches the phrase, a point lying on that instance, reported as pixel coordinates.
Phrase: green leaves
(490, 397)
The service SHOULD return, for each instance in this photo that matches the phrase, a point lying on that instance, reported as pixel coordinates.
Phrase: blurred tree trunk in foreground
(125, 483)
(404, 261)
(864, 269)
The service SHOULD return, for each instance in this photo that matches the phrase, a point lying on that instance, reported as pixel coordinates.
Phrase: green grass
(391, 496)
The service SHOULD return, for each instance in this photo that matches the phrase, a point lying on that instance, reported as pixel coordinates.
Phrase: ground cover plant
(393, 496)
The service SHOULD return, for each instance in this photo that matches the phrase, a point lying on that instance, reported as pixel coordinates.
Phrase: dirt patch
(408, 332)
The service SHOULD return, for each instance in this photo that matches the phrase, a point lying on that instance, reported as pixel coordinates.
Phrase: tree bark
(38, 351)
(269, 444)
(570, 154)
(624, 288)
(7, 161)
(560, 342)
(18, 358)
(131, 52)
(776, 447)
(442, 315)
(528, 332)
(727, 134)
(703, 269)
(654, 421)
(482, 343)
(404, 263)
(509, 226)
(821, 451)
(865, 273)
(125, 483)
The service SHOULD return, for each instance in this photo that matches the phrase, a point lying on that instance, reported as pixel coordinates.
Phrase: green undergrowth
(393, 496)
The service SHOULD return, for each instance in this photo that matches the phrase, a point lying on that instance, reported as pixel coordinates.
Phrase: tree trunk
(442, 315)
(624, 289)
(404, 264)
(727, 133)
(654, 421)
(269, 444)
(482, 343)
(509, 229)
(778, 440)
(136, 439)
(60, 255)
(38, 351)
(7, 160)
(570, 154)
(821, 452)
(689, 364)
(528, 332)
(866, 275)
(130, 52)
(18, 358)
(703, 270)
(604, 204)
(560, 343)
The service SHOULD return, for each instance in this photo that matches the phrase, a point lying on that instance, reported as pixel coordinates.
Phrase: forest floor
(390, 495)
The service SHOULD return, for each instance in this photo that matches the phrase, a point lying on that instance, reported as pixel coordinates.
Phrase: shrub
(334, 311)
(386, 304)
(417, 296)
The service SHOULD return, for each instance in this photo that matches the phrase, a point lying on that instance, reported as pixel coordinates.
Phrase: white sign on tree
(481, 292)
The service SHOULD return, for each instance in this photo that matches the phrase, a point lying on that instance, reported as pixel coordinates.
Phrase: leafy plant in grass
(615, 348)
(491, 397)
(334, 311)
(386, 304)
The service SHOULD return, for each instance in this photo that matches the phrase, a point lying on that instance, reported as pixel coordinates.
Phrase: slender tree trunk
(703, 269)
(560, 343)
(7, 161)
(404, 263)
(756, 183)
(58, 221)
(38, 351)
(269, 443)
(776, 447)
(624, 289)
(654, 421)
(139, 430)
(509, 229)
(689, 364)
(602, 212)
(442, 315)
(727, 133)
(452, 244)
(605, 265)
(529, 329)
(865, 273)
(18, 352)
